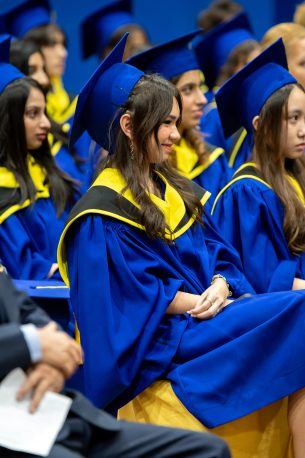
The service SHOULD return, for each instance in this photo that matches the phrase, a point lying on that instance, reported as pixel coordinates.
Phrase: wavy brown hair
(193, 137)
(268, 155)
(149, 104)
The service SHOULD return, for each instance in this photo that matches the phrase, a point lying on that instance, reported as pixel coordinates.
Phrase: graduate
(194, 158)
(26, 56)
(102, 29)
(221, 52)
(32, 20)
(261, 211)
(152, 284)
(35, 194)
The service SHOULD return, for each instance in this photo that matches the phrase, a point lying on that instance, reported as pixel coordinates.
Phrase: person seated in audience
(222, 52)
(103, 29)
(32, 20)
(261, 211)
(28, 58)
(193, 157)
(217, 12)
(30, 340)
(293, 36)
(153, 284)
(35, 194)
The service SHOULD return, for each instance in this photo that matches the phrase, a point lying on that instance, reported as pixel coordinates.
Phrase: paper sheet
(22, 431)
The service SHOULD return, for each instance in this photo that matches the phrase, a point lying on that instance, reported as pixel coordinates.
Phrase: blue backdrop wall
(162, 19)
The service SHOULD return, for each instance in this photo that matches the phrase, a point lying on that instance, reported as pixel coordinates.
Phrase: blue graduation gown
(237, 147)
(212, 176)
(28, 240)
(122, 282)
(66, 162)
(250, 216)
(29, 232)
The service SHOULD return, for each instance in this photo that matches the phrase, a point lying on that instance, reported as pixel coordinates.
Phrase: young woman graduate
(146, 274)
(261, 212)
(35, 194)
(193, 157)
(28, 58)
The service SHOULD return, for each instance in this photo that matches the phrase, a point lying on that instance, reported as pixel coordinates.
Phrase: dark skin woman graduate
(27, 56)
(35, 194)
(153, 284)
(261, 212)
(31, 20)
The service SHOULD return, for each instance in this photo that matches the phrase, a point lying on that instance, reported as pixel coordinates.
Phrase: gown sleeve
(120, 290)
(250, 217)
(18, 253)
(225, 260)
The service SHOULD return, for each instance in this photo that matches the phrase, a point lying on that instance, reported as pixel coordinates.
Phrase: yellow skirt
(262, 434)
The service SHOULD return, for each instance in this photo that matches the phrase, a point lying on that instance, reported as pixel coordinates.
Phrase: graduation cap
(97, 29)
(242, 97)
(30, 13)
(8, 72)
(168, 59)
(213, 48)
(107, 89)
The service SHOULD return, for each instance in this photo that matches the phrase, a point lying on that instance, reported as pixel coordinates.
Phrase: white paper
(26, 432)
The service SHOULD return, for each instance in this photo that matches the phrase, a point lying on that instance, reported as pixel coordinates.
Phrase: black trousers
(135, 440)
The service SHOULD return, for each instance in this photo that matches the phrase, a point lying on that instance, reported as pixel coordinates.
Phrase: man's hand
(59, 350)
(41, 378)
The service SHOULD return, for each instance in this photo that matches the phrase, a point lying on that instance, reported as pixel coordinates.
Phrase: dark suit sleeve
(16, 308)
(19, 307)
(13, 349)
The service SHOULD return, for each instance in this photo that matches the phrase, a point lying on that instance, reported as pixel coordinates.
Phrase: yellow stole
(59, 106)
(296, 186)
(102, 199)
(187, 162)
(8, 181)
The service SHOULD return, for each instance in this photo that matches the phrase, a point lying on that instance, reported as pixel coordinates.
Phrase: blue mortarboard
(8, 72)
(30, 13)
(214, 47)
(107, 89)
(98, 28)
(168, 59)
(242, 97)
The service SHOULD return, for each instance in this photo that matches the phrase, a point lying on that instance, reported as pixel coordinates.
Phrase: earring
(131, 150)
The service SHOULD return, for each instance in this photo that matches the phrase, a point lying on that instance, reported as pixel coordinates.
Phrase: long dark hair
(149, 104)
(20, 53)
(13, 149)
(268, 155)
(43, 35)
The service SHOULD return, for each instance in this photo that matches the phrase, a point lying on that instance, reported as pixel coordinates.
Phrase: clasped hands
(61, 356)
(211, 301)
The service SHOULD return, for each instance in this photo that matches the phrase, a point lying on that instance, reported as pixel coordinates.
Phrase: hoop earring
(131, 150)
